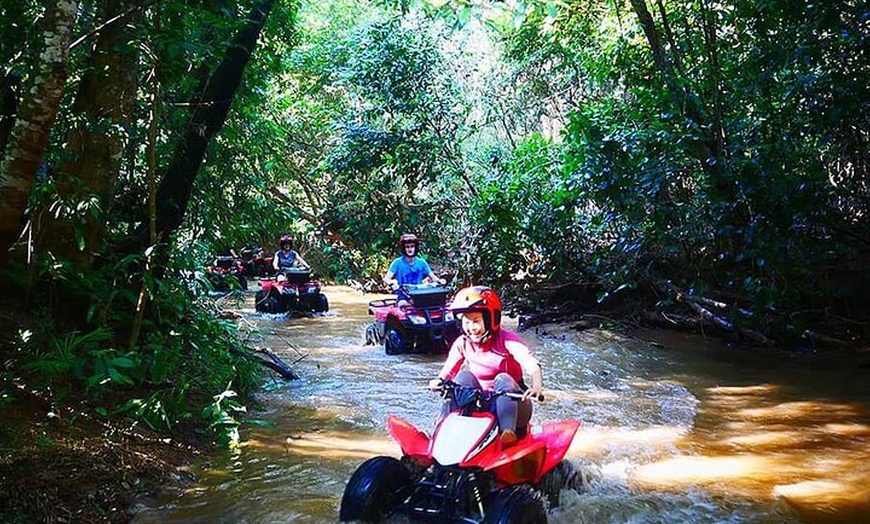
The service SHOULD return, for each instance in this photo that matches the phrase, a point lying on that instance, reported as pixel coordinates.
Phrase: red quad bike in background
(227, 273)
(421, 326)
(257, 263)
(291, 290)
(463, 474)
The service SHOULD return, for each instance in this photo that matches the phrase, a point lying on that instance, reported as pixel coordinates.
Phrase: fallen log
(706, 302)
(273, 362)
(824, 340)
(722, 323)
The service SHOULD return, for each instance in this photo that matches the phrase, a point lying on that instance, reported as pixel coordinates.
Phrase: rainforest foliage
(656, 153)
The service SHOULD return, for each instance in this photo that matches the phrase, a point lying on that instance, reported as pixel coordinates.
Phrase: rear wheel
(394, 343)
(374, 490)
(218, 283)
(516, 505)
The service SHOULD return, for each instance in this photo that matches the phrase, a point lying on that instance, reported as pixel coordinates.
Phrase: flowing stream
(680, 430)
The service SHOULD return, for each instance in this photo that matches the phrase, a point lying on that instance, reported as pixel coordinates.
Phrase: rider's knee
(505, 382)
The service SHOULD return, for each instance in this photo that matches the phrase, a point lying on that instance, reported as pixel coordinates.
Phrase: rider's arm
(391, 280)
(301, 262)
(537, 387)
(436, 279)
(451, 365)
(530, 364)
(427, 270)
(276, 261)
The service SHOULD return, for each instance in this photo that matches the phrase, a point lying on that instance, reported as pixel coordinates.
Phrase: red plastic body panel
(539, 451)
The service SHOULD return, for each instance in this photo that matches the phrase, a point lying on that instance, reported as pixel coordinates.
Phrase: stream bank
(682, 428)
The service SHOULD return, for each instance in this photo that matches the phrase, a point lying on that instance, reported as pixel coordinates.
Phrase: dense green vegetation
(707, 155)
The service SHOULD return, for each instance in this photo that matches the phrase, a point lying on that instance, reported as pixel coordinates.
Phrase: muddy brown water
(684, 430)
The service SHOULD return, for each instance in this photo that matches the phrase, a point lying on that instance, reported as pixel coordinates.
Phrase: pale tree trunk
(105, 103)
(36, 115)
(136, 325)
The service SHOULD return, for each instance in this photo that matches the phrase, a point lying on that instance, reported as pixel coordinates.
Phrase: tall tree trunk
(708, 149)
(94, 147)
(36, 116)
(711, 45)
(208, 117)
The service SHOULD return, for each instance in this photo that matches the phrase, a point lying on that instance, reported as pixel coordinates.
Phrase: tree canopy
(713, 155)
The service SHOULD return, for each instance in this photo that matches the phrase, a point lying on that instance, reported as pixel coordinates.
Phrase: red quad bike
(224, 271)
(291, 290)
(421, 326)
(257, 263)
(463, 474)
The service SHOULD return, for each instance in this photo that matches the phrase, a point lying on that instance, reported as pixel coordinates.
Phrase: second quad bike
(291, 290)
(256, 262)
(463, 473)
(227, 273)
(420, 325)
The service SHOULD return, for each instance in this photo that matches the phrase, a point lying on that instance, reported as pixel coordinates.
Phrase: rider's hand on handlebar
(435, 384)
(536, 392)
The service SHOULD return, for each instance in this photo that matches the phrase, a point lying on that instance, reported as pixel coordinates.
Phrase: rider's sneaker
(508, 438)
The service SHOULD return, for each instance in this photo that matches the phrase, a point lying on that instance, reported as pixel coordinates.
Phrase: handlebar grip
(518, 396)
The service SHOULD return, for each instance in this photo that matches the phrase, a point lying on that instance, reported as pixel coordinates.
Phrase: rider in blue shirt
(408, 269)
(286, 258)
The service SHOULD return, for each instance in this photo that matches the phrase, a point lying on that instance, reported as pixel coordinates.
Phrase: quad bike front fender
(558, 437)
(414, 443)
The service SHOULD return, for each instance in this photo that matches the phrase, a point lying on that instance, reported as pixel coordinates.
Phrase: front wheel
(394, 343)
(374, 490)
(261, 302)
(372, 338)
(322, 304)
(516, 505)
(563, 476)
(265, 302)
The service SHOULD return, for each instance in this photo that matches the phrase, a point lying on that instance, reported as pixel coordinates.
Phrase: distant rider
(495, 360)
(286, 258)
(408, 269)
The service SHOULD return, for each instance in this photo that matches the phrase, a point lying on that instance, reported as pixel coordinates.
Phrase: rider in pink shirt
(495, 360)
(503, 352)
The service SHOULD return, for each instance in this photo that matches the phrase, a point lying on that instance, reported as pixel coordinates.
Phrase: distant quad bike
(256, 262)
(421, 326)
(291, 290)
(227, 273)
(463, 473)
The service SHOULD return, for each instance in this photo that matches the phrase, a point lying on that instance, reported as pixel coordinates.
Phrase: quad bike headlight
(417, 320)
(448, 316)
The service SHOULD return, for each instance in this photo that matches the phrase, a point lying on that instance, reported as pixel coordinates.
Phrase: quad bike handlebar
(465, 395)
